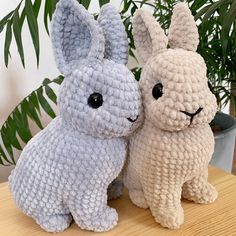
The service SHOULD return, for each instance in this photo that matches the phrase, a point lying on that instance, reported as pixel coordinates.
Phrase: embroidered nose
(192, 114)
(132, 120)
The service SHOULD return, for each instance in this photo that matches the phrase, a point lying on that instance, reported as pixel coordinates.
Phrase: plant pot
(224, 141)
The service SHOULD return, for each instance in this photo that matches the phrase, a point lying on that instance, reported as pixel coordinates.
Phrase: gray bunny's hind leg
(54, 223)
(52, 215)
(91, 212)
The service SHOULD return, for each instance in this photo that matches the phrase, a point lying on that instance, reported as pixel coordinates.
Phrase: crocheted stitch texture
(169, 154)
(65, 170)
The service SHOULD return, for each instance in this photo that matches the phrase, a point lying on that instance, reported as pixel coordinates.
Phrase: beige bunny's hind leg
(166, 206)
(131, 181)
(199, 190)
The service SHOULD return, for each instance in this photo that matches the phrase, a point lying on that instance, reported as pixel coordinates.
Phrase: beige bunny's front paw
(137, 197)
(169, 218)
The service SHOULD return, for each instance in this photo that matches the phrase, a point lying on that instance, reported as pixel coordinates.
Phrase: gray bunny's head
(99, 95)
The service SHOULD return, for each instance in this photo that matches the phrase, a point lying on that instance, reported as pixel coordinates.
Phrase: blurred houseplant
(217, 30)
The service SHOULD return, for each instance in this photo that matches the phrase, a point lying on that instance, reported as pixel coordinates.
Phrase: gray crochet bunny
(65, 170)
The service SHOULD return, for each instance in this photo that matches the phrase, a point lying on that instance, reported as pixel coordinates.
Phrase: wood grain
(218, 219)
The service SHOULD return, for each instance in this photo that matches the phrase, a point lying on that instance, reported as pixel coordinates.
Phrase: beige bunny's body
(169, 155)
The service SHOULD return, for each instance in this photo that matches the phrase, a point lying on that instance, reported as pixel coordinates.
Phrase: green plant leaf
(46, 81)
(30, 110)
(85, 3)
(8, 39)
(34, 100)
(50, 93)
(22, 18)
(22, 126)
(49, 8)
(52, 8)
(16, 126)
(126, 6)
(6, 138)
(133, 9)
(12, 134)
(33, 26)
(137, 72)
(196, 5)
(103, 2)
(3, 157)
(17, 34)
(59, 79)
(4, 20)
(145, 2)
(201, 12)
(213, 7)
(229, 19)
(46, 13)
(36, 6)
(44, 103)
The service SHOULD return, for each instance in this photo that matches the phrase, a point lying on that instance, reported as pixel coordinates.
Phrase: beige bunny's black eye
(95, 100)
(157, 91)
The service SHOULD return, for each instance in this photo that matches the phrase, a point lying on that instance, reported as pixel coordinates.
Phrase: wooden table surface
(217, 219)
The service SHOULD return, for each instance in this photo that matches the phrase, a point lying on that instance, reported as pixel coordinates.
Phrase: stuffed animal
(169, 154)
(65, 170)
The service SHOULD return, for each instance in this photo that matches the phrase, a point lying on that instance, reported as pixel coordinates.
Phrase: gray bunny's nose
(132, 120)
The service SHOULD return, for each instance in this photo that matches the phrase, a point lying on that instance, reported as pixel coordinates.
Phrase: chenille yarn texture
(65, 170)
(169, 154)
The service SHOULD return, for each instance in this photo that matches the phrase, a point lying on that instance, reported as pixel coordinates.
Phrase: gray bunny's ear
(75, 35)
(116, 41)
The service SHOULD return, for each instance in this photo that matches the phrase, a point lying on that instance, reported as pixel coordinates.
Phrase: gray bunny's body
(65, 170)
(62, 171)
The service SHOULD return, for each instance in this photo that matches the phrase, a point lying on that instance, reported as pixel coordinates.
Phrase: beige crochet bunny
(169, 155)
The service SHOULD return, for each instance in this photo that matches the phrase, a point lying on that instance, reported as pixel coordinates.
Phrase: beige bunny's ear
(149, 37)
(183, 32)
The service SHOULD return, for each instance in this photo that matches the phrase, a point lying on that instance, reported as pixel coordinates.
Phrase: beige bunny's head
(173, 81)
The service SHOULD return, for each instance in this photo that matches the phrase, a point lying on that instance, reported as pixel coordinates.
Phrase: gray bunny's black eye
(157, 91)
(95, 100)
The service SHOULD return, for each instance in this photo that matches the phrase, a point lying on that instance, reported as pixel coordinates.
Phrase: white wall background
(17, 82)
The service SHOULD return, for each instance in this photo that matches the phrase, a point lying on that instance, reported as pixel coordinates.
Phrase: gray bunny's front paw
(55, 223)
(102, 222)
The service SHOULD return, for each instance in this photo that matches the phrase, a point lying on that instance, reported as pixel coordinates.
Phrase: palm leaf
(17, 33)
(229, 20)
(49, 8)
(16, 128)
(85, 3)
(4, 20)
(31, 14)
(8, 39)
(103, 2)
(45, 16)
(36, 6)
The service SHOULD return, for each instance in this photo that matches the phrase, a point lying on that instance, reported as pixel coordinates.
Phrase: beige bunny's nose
(192, 114)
